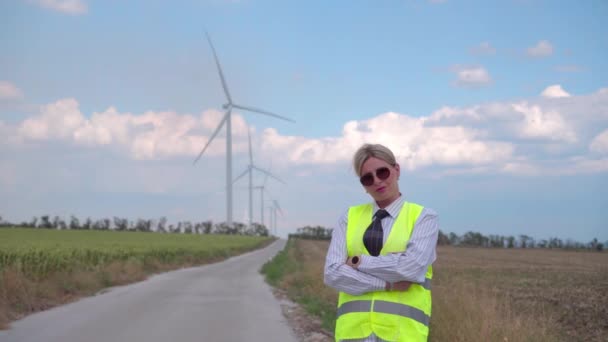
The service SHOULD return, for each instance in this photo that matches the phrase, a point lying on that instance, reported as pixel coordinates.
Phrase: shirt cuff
(379, 284)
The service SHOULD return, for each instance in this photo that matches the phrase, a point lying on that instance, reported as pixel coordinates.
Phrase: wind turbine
(249, 170)
(227, 120)
(273, 214)
(262, 188)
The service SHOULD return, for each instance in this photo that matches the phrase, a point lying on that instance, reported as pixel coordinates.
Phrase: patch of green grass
(281, 265)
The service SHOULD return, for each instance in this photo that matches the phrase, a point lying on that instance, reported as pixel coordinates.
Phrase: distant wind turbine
(227, 120)
(262, 188)
(273, 215)
(249, 170)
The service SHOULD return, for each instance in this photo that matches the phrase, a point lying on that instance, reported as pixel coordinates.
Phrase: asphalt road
(227, 301)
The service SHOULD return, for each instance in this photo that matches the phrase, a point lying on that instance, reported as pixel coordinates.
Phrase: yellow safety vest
(390, 315)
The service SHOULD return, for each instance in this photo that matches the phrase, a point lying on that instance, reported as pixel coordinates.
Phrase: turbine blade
(259, 111)
(241, 175)
(266, 177)
(219, 69)
(268, 174)
(276, 204)
(213, 136)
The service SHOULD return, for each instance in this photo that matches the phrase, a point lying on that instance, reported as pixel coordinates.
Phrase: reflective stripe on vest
(382, 306)
(426, 284)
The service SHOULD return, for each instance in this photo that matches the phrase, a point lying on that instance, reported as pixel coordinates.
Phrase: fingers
(401, 285)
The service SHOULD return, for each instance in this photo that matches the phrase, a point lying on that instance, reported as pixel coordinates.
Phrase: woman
(380, 257)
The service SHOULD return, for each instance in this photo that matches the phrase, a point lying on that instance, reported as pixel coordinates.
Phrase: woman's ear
(398, 170)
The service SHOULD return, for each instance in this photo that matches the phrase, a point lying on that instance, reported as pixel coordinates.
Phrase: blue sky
(497, 111)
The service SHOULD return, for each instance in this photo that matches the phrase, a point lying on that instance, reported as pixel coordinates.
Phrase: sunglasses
(382, 174)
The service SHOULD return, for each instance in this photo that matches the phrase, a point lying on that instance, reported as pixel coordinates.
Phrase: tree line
(312, 233)
(477, 239)
(474, 239)
(140, 225)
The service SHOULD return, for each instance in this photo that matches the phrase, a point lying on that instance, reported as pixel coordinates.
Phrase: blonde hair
(372, 150)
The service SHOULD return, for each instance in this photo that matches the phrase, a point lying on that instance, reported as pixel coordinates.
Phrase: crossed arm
(386, 272)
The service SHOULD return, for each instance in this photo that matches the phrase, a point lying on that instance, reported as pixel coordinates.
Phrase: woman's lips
(381, 189)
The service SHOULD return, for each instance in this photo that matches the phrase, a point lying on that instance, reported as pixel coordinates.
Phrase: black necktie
(373, 237)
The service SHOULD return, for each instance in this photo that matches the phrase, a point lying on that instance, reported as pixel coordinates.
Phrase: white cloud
(511, 137)
(104, 128)
(213, 117)
(542, 49)
(73, 7)
(549, 135)
(538, 123)
(9, 91)
(421, 146)
(555, 91)
(483, 49)
(151, 135)
(599, 144)
(56, 121)
(474, 76)
(514, 121)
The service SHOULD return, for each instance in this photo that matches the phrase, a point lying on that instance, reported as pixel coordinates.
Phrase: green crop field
(39, 252)
(42, 268)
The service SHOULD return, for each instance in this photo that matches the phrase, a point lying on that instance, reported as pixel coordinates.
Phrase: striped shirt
(374, 272)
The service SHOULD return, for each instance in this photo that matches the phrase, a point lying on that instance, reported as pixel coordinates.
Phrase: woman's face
(384, 191)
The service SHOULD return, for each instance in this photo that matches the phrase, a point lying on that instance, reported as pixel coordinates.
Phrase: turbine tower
(262, 188)
(227, 120)
(249, 170)
(273, 214)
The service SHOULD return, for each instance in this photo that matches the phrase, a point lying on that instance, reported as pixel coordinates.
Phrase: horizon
(501, 128)
(181, 228)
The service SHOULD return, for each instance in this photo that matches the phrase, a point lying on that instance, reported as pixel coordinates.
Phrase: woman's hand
(398, 286)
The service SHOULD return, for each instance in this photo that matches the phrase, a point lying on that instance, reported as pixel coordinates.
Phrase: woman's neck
(385, 203)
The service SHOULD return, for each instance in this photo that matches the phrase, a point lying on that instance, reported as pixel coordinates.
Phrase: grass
(40, 268)
(298, 269)
(483, 294)
(281, 265)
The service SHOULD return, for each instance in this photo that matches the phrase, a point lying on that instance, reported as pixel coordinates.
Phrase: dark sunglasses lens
(367, 179)
(383, 173)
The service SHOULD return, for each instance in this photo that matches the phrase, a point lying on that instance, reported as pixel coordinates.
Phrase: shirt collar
(394, 208)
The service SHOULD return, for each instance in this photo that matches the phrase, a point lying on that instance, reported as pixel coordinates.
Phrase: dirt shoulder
(306, 327)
